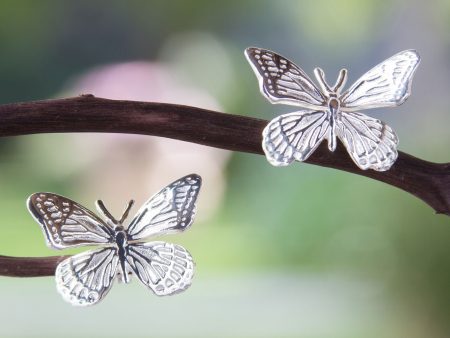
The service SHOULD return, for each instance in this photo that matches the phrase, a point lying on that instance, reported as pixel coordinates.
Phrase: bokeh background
(301, 251)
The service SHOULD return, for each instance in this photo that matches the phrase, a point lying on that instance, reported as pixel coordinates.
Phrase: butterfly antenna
(340, 82)
(127, 211)
(320, 76)
(102, 209)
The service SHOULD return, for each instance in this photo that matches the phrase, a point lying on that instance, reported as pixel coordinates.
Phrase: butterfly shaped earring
(330, 114)
(85, 279)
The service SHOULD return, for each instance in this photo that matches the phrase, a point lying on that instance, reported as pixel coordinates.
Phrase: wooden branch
(29, 266)
(428, 181)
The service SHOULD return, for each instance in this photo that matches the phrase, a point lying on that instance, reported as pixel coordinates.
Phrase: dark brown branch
(428, 181)
(29, 266)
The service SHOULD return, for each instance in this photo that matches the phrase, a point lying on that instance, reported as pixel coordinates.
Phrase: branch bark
(426, 180)
(29, 266)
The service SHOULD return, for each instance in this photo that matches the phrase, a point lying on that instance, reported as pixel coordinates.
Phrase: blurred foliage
(301, 218)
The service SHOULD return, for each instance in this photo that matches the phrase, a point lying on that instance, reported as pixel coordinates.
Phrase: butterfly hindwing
(386, 85)
(163, 267)
(66, 223)
(86, 278)
(371, 143)
(294, 136)
(170, 210)
(281, 81)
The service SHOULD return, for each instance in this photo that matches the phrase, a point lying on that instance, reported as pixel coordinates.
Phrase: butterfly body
(329, 114)
(86, 278)
(122, 251)
(333, 109)
(333, 104)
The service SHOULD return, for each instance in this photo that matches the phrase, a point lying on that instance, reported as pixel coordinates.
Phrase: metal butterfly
(294, 136)
(85, 279)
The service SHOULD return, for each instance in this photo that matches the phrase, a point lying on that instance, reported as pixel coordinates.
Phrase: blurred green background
(301, 251)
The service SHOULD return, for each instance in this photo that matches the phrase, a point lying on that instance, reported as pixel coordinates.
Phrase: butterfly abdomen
(122, 249)
(333, 107)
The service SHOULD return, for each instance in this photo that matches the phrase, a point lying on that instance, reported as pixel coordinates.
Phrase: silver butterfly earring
(86, 278)
(294, 136)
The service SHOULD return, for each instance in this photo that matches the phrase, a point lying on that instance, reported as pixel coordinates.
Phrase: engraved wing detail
(281, 81)
(386, 85)
(170, 210)
(163, 267)
(66, 223)
(294, 136)
(86, 278)
(371, 143)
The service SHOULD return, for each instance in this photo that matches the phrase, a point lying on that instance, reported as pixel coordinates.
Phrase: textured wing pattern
(371, 143)
(86, 278)
(171, 210)
(65, 223)
(386, 85)
(281, 81)
(294, 136)
(163, 267)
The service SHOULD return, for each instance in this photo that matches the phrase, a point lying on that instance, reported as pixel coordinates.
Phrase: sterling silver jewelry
(86, 278)
(294, 136)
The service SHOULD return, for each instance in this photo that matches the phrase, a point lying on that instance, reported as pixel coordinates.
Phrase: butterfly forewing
(86, 278)
(163, 267)
(66, 223)
(170, 210)
(281, 81)
(294, 136)
(386, 85)
(371, 143)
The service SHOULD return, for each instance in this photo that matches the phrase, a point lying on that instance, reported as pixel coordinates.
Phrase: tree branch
(29, 266)
(426, 180)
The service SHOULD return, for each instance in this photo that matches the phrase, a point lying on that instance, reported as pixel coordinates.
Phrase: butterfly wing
(294, 136)
(163, 267)
(65, 223)
(386, 85)
(86, 278)
(371, 143)
(281, 81)
(170, 210)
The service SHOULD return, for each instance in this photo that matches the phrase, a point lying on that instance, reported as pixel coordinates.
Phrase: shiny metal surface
(85, 279)
(329, 114)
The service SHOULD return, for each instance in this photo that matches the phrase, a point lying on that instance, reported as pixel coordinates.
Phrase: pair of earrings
(85, 279)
